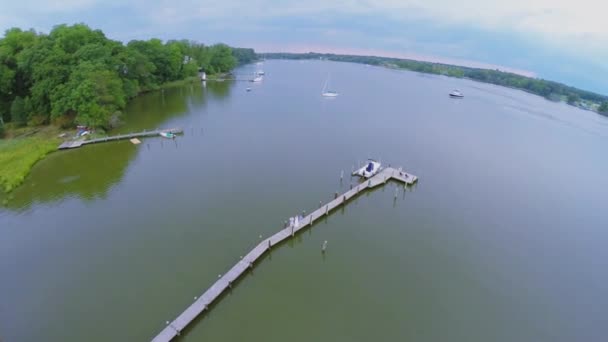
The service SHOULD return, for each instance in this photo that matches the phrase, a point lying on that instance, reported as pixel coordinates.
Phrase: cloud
(537, 35)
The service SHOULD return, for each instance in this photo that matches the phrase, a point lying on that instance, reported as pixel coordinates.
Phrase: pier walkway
(78, 143)
(173, 329)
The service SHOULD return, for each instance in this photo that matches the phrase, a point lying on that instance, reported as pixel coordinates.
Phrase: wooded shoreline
(550, 90)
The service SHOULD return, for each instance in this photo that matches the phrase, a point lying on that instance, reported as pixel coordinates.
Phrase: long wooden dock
(174, 328)
(78, 143)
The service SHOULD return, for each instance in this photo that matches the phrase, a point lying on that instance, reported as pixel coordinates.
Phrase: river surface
(503, 238)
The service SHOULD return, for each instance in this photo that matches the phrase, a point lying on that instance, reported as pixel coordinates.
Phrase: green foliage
(573, 99)
(1, 128)
(221, 58)
(18, 115)
(547, 89)
(92, 92)
(244, 56)
(603, 107)
(77, 74)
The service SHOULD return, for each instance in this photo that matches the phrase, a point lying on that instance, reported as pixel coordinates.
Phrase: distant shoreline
(550, 90)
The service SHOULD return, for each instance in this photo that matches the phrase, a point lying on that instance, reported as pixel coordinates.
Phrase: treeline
(76, 74)
(548, 89)
(244, 55)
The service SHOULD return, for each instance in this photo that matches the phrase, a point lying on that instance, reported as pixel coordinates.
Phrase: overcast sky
(561, 40)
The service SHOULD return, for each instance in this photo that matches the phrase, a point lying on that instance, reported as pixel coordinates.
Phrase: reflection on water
(91, 171)
(220, 90)
(87, 173)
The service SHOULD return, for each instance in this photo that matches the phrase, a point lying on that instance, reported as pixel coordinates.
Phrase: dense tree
(244, 56)
(77, 73)
(221, 58)
(603, 107)
(18, 115)
(573, 99)
(93, 93)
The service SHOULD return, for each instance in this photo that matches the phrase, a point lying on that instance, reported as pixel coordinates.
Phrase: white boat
(261, 73)
(370, 169)
(457, 94)
(257, 78)
(248, 89)
(167, 135)
(328, 93)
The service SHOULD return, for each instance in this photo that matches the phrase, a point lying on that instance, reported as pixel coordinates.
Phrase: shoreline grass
(19, 155)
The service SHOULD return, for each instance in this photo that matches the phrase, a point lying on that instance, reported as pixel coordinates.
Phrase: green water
(502, 239)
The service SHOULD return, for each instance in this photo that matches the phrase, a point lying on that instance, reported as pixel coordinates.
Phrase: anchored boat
(456, 94)
(369, 170)
(167, 135)
(328, 93)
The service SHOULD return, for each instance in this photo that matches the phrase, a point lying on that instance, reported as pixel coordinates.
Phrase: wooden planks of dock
(201, 304)
(78, 143)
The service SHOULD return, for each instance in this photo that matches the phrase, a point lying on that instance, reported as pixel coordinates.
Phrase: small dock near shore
(77, 143)
(225, 282)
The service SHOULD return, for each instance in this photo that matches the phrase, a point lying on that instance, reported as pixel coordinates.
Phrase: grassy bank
(18, 156)
(23, 147)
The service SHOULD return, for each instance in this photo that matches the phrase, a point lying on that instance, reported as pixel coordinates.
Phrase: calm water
(503, 239)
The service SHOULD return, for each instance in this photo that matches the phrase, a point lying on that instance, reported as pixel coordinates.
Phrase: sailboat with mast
(326, 92)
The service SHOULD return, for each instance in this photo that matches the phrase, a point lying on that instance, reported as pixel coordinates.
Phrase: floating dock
(174, 328)
(78, 143)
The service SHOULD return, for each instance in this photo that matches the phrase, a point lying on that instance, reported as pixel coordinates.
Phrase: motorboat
(370, 169)
(456, 94)
(167, 135)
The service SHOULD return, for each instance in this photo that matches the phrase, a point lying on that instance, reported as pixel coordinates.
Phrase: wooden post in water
(341, 175)
(396, 192)
(320, 204)
(326, 209)
(351, 186)
(324, 246)
(269, 244)
(335, 195)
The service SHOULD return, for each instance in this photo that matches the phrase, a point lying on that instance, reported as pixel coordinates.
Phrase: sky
(561, 40)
